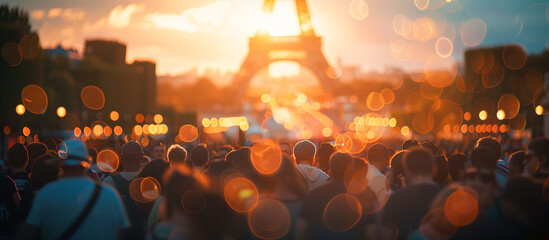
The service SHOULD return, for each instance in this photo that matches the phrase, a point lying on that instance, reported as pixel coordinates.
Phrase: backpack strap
(80, 219)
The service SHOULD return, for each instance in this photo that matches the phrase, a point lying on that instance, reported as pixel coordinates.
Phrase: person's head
(491, 143)
(224, 150)
(521, 199)
(483, 181)
(339, 162)
(441, 173)
(199, 156)
(285, 147)
(18, 156)
(156, 169)
(538, 150)
(396, 163)
(484, 158)
(456, 166)
(517, 164)
(132, 155)
(419, 163)
(73, 157)
(323, 156)
(378, 155)
(176, 154)
(36, 150)
(304, 152)
(43, 172)
(409, 144)
(431, 146)
(158, 151)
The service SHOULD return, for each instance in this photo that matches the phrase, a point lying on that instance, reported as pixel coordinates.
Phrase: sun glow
(282, 21)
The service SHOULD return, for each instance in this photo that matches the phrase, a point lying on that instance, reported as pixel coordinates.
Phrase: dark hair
(431, 146)
(441, 173)
(132, 153)
(92, 153)
(323, 156)
(43, 172)
(516, 160)
(419, 161)
(305, 150)
(199, 155)
(396, 163)
(484, 158)
(156, 169)
(177, 154)
(176, 186)
(36, 150)
(540, 146)
(339, 162)
(286, 177)
(456, 164)
(491, 143)
(378, 152)
(409, 144)
(18, 156)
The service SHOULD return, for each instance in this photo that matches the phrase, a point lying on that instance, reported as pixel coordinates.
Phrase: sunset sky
(179, 35)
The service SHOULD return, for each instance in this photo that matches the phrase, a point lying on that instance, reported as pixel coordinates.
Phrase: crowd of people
(304, 190)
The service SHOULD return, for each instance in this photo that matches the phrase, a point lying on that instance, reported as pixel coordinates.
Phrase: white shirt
(377, 183)
(58, 204)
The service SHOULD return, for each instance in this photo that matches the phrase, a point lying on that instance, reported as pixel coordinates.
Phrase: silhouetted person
(407, 206)
(132, 155)
(456, 166)
(158, 151)
(502, 171)
(177, 154)
(378, 156)
(36, 150)
(310, 224)
(304, 153)
(409, 144)
(323, 156)
(517, 163)
(199, 157)
(538, 154)
(58, 204)
(18, 158)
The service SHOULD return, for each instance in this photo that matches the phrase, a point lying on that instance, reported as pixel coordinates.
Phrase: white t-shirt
(377, 183)
(58, 204)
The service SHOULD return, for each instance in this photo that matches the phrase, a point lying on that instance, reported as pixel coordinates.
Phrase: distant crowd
(269, 190)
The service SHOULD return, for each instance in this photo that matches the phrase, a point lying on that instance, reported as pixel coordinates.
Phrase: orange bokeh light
(108, 160)
(461, 208)
(266, 156)
(270, 219)
(92, 97)
(188, 133)
(342, 213)
(241, 194)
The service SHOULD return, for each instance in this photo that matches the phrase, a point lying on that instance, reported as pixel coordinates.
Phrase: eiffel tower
(304, 49)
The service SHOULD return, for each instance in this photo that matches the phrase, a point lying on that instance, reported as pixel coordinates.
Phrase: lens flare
(514, 56)
(444, 47)
(193, 201)
(473, 32)
(509, 104)
(241, 194)
(35, 99)
(482, 115)
(188, 133)
(266, 156)
(539, 110)
(402, 25)
(421, 4)
(375, 101)
(92, 97)
(108, 160)
(342, 213)
(26, 131)
(358, 9)
(269, 220)
(461, 208)
(114, 116)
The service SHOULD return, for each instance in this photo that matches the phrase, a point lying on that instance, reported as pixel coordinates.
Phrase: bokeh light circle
(188, 133)
(473, 32)
(12, 54)
(510, 105)
(461, 208)
(193, 201)
(266, 156)
(92, 97)
(444, 47)
(358, 9)
(107, 160)
(35, 99)
(270, 219)
(342, 213)
(514, 56)
(241, 194)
